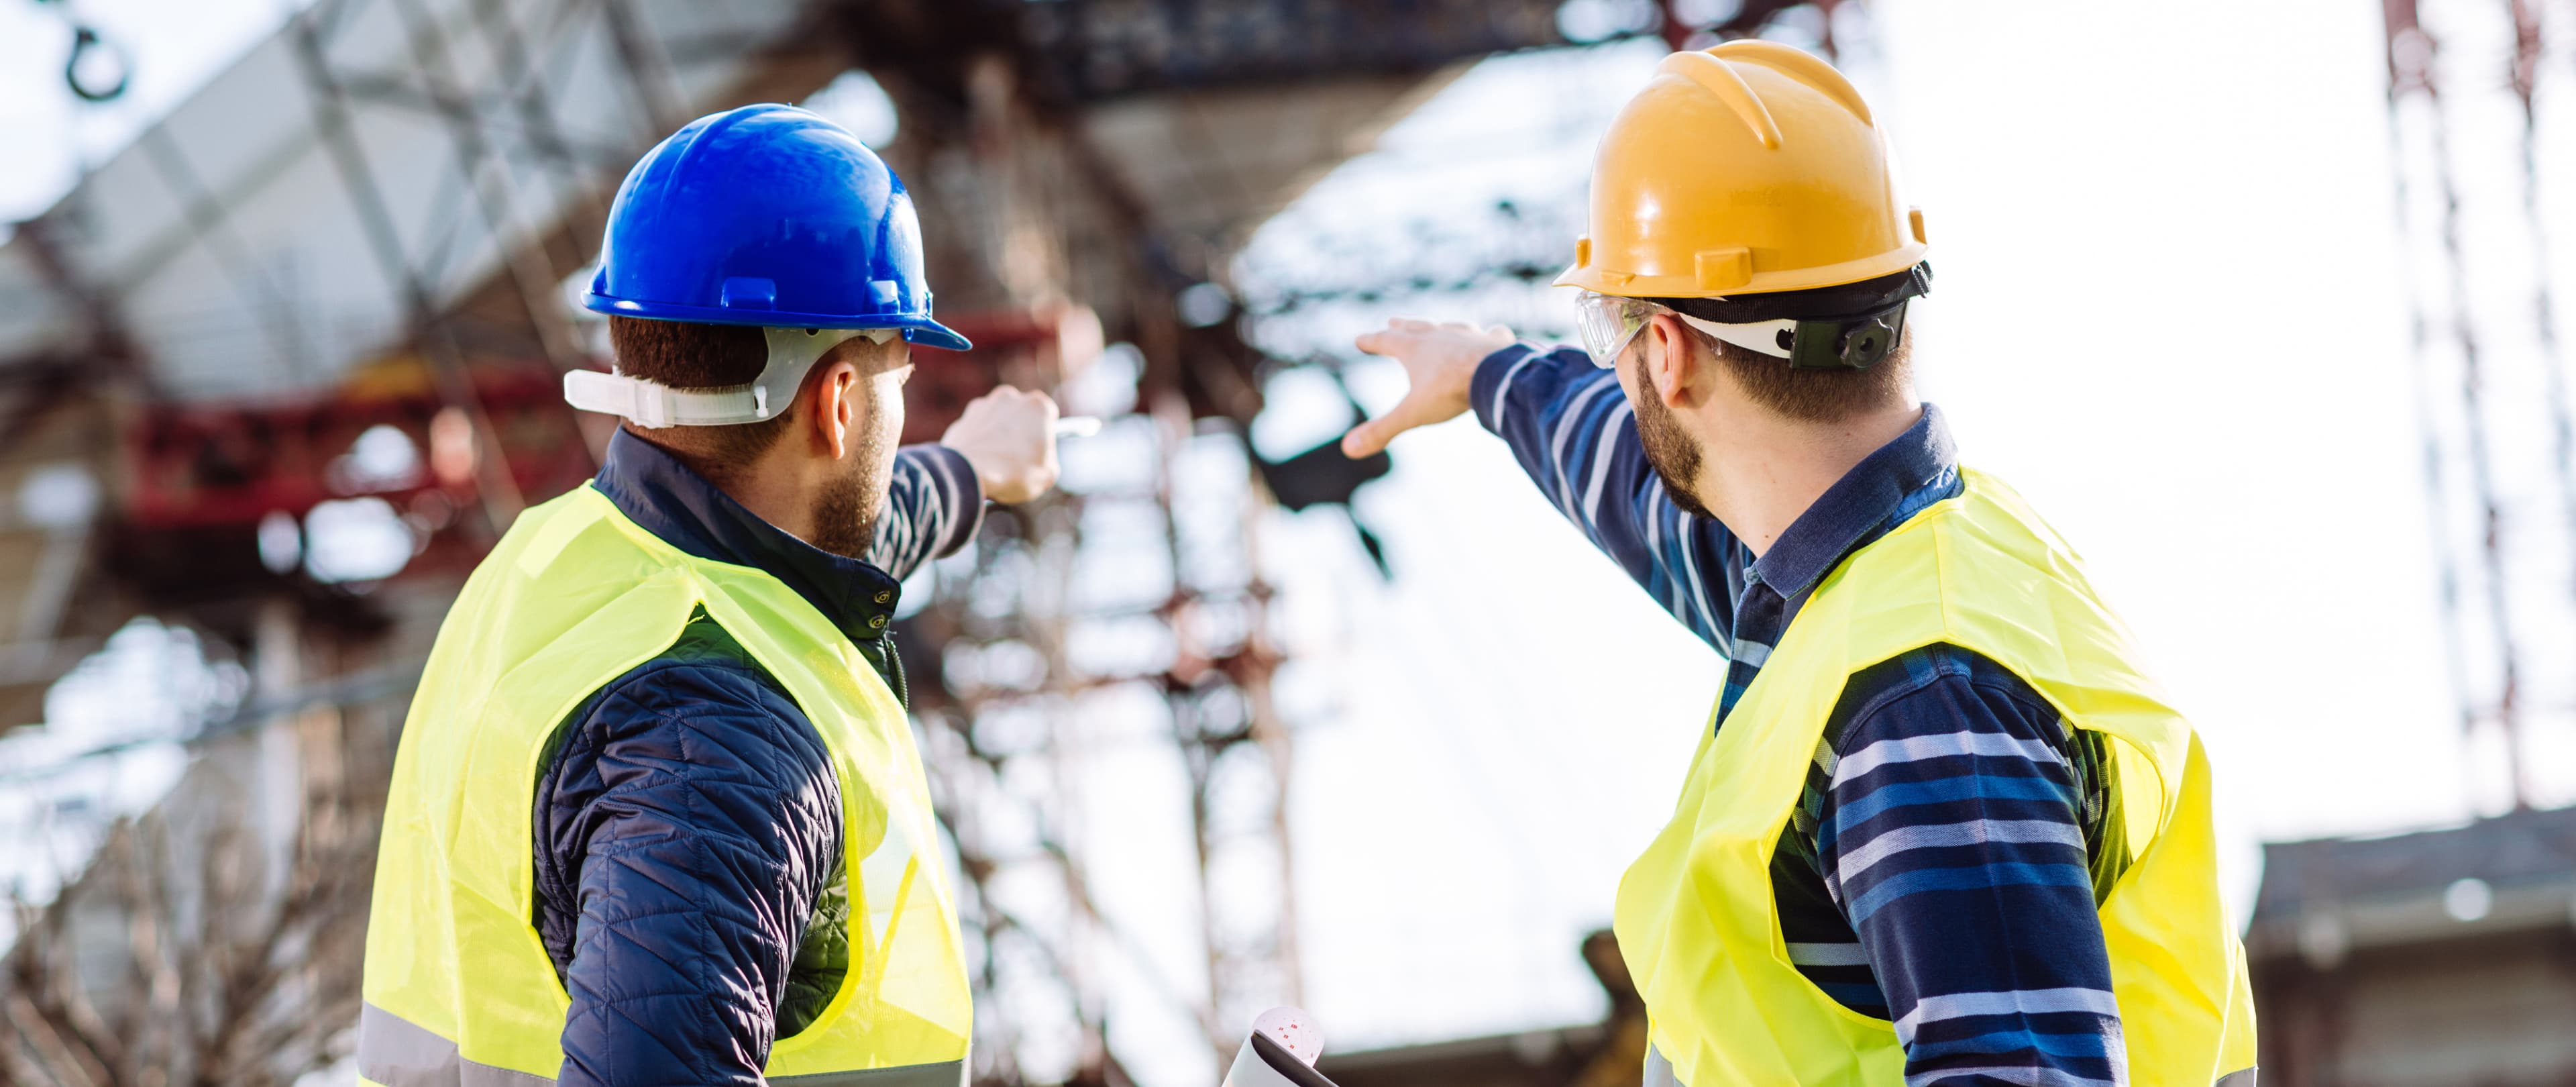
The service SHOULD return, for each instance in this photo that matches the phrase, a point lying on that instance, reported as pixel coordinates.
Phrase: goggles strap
(1838, 343)
(1760, 337)
(792, 353)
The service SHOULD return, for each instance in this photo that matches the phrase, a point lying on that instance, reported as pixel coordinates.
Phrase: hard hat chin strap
(792, 353)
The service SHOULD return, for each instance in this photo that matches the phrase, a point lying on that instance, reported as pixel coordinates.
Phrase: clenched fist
(1440, 362)
(1009, 436)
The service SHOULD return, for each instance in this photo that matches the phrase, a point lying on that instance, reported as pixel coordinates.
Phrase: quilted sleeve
(702, 833)
(933, 507)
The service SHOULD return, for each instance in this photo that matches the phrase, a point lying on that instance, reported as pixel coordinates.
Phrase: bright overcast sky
(2170, 310)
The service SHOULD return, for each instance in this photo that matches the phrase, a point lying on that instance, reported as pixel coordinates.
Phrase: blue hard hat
(767, 215)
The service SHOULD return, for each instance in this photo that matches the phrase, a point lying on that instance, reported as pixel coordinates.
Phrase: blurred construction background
(2256, 300)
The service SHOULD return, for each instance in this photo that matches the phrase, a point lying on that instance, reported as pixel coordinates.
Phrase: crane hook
(84, 40)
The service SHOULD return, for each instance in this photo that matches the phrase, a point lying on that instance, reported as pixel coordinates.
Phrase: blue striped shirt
(1944, 864)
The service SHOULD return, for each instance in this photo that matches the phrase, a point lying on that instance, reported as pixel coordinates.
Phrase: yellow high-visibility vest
(459, 990)
(1696, 919)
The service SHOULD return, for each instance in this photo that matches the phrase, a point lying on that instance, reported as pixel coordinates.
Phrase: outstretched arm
(1001, 447)
(934, 504)
(1575, 435)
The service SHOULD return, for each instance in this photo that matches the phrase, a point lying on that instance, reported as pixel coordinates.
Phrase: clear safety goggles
(1610, 323)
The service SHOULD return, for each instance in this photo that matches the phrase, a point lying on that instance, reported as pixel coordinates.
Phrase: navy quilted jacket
(690, 886)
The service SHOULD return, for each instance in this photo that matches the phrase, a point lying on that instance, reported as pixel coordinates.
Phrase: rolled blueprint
(1280, 1052)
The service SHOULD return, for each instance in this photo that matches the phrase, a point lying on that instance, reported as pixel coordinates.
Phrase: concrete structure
(2444, 958)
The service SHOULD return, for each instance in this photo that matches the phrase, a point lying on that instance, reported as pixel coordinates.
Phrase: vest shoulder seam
(660, 667)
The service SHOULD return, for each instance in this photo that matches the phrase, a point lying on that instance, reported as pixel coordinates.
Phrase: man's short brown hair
(1811, 395)
(700, 357)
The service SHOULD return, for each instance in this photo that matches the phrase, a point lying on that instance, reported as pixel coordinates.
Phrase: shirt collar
(653, 489)
(1872, 497)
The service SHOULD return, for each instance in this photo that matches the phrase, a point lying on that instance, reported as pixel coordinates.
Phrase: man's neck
(768, 488)
(1760, 472)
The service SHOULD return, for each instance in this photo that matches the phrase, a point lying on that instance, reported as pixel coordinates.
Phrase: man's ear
(834, 415)
(1673, 360)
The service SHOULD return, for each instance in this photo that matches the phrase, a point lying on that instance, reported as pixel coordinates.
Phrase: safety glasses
(1609, 323)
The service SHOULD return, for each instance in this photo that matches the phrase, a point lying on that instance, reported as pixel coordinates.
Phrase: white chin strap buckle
(792, 352)
(1767, 337)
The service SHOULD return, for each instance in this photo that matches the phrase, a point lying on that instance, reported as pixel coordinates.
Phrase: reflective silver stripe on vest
(397, 1052)
(1659, 1073)
(942, 1074)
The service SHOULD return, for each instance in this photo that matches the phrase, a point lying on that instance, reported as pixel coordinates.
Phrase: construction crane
(2493, 396)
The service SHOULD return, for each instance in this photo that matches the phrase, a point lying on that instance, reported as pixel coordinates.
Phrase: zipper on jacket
(894, 670)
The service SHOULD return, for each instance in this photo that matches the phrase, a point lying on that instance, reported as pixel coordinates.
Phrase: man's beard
(845, 522)
(845, 516)
(1670, 450)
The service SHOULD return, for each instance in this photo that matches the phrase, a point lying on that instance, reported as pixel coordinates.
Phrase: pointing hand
(1009, 436)
(1440, 361)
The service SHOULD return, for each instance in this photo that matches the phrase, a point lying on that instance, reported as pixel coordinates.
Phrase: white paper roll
(1280, 1052)
(1295, 1032)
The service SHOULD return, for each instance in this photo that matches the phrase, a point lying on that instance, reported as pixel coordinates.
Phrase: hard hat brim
(1599, 280)
(918, 329)
(931, 333)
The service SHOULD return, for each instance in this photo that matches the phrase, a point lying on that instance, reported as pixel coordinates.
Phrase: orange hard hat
(1749, 168)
